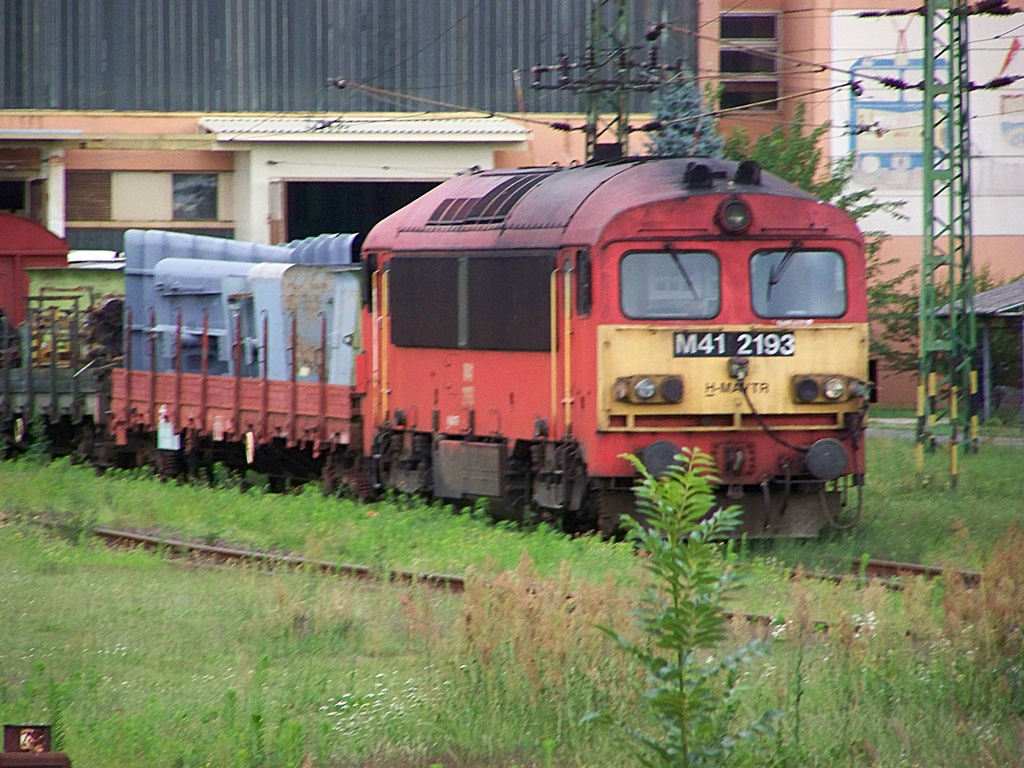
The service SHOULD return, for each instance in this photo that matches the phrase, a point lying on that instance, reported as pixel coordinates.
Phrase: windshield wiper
(776, 272)
(682, 270)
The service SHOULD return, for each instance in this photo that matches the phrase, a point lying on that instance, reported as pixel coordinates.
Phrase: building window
(87, 195)
(748, 60)
(195, 196)
(12, 196)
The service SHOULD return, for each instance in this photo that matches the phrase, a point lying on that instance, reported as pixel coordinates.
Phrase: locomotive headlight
(645, 389)
(835, 389)
(649, 389)
(826, 387)
(806, 390)
(733, 216)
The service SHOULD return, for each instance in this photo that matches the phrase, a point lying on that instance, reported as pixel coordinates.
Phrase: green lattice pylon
(948, 380)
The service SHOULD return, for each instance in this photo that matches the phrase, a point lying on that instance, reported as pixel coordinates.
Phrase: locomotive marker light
(733, 216)
(672, 389)
(806, 390)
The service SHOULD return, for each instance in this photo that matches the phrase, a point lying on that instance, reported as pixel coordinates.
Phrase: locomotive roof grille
(490, 208)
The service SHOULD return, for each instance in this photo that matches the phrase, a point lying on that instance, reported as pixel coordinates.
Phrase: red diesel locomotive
(526, 328)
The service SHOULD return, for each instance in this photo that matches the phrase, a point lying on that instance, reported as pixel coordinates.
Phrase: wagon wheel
(380, 461)
(337, 480)
(85, 447)
(330, 482)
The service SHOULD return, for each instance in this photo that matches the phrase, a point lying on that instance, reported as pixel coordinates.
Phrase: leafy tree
(689, 128)
(692, 696)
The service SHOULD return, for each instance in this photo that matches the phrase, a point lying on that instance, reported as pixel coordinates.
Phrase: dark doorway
(318, 207)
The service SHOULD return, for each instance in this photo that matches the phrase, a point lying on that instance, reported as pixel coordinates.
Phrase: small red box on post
(28, 746)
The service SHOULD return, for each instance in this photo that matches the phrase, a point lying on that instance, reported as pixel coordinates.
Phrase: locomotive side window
(673, 285)
(472, 302)
(510, 302)
(798, 283)
(424, 302)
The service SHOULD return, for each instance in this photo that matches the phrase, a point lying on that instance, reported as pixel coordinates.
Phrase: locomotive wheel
(612, 508)
(380, 462)
(845, 519)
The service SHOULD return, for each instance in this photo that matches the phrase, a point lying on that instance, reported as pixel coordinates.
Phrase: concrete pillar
(55, 192)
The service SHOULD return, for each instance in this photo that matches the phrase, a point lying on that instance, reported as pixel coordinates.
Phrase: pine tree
(698, 136)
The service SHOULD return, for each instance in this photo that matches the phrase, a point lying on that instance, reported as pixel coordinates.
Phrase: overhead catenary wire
(567, 127)
(797, 63)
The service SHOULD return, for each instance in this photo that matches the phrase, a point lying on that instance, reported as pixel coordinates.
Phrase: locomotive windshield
(670, 285)
(798, 283)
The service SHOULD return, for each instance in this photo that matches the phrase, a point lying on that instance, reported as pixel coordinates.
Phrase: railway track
(221, 554)
(889, 573)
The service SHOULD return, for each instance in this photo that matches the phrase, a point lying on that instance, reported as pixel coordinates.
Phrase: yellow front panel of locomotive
(634, 350)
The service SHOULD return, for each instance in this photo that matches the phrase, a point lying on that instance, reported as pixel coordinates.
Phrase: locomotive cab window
(670, 285)
(798, 283)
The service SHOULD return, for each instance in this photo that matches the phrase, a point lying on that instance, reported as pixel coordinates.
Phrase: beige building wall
(261, 168)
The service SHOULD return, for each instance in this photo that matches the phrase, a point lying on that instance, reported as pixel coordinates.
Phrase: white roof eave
(481, 130)
(288, 138)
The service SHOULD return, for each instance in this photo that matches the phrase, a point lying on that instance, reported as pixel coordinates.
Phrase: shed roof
(463, 129)
(1004, 300)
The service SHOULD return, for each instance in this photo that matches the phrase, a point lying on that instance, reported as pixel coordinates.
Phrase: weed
(692, 688)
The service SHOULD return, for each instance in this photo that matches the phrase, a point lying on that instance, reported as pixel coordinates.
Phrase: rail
(888, 573)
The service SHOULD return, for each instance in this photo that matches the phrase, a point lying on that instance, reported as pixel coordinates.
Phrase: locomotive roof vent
(700, 176)
(748, 173)
(493, 207)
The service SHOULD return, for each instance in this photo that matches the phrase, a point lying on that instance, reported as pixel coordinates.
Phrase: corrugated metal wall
(276, 55)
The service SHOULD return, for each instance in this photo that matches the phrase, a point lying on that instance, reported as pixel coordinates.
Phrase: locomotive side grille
(490, 208)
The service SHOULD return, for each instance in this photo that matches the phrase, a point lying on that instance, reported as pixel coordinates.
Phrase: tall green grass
(908, 515)
(139, 661)
(393, 533)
